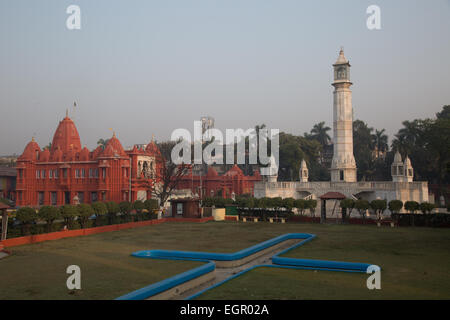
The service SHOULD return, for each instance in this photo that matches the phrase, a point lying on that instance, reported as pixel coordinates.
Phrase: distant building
(228, 185)
(69, 174)
(7, 183)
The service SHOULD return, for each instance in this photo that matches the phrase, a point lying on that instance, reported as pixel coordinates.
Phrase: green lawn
(415, 262)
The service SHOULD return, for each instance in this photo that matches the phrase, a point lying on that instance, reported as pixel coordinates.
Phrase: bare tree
(169, 175)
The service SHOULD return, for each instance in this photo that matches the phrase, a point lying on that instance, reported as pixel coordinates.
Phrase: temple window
(83, 173)
(53, 197)
(38, 173)
(50, 174)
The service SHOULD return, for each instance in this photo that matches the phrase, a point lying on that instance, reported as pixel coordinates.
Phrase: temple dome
(84, 154)
(235, 170)
(398, 157)
(341, 59)
(152, 148)
(113, 148)
(408, 162)
(212, 172)
(66, 137)
(44, 156)
(31, 151)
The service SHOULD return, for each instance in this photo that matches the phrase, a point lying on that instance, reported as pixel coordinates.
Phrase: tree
(113, 209)
(380, 140)
(288, 203)
(100, 209)
(84, 212)
(311, 204)
(102, 143)
(169, 175)
(49, 214)
(26, 216)
(125, 208)
(412, 206)
(378, 206)
(363, 150)
(300, 204)
(345, 205)
(138, 205)
(395, 206)
(69, 213)
(151, 204)
(362, 206)
(320, 133)
(426, 207)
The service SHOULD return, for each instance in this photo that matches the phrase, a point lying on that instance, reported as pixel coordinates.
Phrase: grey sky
(143, 67)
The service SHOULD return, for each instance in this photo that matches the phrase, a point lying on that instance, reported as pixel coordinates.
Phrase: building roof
(66, 137)
(4, 206)
(31, 151)
(113, 148)
(333, 196)
(341, 59)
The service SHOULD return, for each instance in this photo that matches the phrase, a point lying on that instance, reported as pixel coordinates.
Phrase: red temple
(69, 174)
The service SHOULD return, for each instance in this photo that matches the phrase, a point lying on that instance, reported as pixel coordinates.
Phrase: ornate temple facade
(343, 166)
(212, 184)
(66, 173)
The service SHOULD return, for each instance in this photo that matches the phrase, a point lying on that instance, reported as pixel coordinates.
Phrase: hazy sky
(148, 67)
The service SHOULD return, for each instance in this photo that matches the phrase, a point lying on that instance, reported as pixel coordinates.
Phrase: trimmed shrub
(26, 216)
(426, 207)
(113, 209)
(412, 206)
(395, 206)
(311, 204)
(49, 214)
(69, 213)
(84, 212)
(138, 205)
(125, 208)
(345, 205)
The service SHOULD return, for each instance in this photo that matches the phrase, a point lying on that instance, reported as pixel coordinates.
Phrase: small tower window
(341, 173)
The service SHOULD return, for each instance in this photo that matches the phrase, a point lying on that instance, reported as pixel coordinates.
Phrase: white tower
(343, 167)
(409, 171)
(398, 168)
(303, 172)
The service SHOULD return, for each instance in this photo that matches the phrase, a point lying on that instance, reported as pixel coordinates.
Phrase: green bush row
(75, 217)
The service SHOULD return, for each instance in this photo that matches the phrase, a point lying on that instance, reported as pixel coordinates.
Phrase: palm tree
(102, 143)
(380, 140)
(319, 133)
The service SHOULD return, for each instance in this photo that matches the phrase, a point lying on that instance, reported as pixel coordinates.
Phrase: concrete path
(223, 273)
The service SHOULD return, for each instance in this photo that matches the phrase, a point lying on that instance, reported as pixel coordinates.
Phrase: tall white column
(343, 167)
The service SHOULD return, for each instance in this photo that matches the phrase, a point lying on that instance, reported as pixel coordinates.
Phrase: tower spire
(343, 167)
